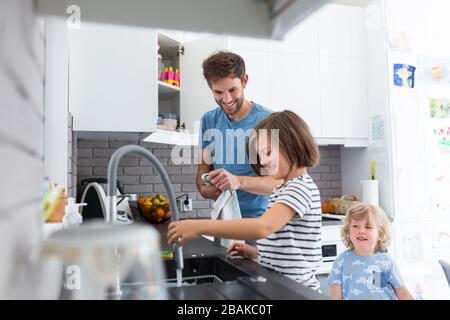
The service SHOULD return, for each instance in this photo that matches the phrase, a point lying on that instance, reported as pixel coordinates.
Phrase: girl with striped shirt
(288, 233)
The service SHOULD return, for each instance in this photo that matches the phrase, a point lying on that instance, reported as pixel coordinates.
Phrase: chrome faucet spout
(111, 216)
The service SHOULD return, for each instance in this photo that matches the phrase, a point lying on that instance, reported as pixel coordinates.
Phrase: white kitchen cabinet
(303, 38)
(258, 85)
(196, 97)
(329, 93)
(343, 82)
(341, 31)
(343, 98)
(294, 84)
(114, 86)
(113, 78)
(317, 71)
(168, 94)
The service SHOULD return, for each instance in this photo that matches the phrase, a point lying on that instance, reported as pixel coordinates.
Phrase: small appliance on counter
(95, 197)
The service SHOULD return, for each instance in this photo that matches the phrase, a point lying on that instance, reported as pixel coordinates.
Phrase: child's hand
(243, 250)
(181, 232)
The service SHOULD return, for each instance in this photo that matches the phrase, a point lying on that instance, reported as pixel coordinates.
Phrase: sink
(197, 271)
(203, 270)
(218, 278)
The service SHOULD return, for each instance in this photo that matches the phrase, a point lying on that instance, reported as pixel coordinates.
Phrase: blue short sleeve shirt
(227, 142)
(366, 277)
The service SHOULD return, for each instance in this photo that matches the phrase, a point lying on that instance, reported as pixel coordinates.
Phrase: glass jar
(160, 68)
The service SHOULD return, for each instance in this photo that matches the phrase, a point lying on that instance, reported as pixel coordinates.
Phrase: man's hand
(224, 180)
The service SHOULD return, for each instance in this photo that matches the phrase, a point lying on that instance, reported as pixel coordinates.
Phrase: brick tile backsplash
(138, 176)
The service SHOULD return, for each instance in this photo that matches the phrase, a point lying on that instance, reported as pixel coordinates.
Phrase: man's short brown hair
(223, 64)
(294, 140)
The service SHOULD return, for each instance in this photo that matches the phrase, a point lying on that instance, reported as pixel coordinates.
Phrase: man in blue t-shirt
(224, 132)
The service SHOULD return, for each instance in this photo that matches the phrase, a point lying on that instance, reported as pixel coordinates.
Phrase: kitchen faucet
(111, 216)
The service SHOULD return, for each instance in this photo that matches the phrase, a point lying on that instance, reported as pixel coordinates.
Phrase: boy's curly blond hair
(375, 216)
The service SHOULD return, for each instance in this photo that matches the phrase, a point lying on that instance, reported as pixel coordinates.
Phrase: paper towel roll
(369, 191)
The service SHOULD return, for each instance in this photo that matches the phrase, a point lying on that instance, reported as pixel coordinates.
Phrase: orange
(327, 207)
(167, 214)
(159, 214)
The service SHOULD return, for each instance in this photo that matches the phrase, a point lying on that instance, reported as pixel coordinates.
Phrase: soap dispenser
(72, 217)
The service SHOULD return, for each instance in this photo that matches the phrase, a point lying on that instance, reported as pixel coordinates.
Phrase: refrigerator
(408, 85)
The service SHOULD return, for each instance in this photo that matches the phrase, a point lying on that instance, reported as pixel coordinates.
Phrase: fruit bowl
(155, 209)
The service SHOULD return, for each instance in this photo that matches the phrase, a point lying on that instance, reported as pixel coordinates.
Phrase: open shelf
(173, 137)
(167, 88)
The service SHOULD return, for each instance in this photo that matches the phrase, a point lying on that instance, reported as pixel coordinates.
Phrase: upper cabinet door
(303, 38)
(294, 85)
(113, 78)
(244, 43)
(344, 99)
(256, 65)
(341, 31)
(254, 52)
(196, 97)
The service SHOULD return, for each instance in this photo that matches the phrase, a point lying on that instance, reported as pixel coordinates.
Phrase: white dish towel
(226, 207)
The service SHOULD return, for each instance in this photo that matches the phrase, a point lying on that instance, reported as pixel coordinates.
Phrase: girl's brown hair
(223, 64)
(294, 140)
(375, 216)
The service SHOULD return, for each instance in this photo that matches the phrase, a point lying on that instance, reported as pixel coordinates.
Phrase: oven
(332, 246)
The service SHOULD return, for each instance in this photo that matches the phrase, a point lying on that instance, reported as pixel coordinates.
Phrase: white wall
(56, 101)
(21, 145)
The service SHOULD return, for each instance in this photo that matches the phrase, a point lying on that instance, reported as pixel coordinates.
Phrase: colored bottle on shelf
(170, 76)
(166, 74)
(176, 78)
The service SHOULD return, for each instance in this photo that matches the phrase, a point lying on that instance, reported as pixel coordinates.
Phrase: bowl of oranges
(155, 209)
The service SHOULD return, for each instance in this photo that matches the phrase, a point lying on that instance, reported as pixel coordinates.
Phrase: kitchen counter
(331, 222)
(261, 283)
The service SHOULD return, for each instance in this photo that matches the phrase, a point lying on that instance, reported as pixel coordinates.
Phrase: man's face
(229, 94)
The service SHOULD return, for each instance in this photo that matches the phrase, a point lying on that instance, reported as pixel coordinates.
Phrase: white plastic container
(72, 217)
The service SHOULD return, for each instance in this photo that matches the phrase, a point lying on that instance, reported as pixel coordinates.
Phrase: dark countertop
(275, 285)
(331, 222)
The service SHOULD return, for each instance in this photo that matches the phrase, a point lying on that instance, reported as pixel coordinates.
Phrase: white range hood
(251, 18)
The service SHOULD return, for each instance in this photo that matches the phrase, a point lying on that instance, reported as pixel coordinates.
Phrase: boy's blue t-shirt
(227, 141)
(365, 277)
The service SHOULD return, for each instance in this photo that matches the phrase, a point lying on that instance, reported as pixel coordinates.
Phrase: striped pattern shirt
(295, 250)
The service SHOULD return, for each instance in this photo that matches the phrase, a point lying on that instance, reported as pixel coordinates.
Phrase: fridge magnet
(399, 41)
(435, 71)
(439, 194)
(413, 248)
(443, 138)
(404, 75)
(441, 240)
(377, 128)
(439, 108)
